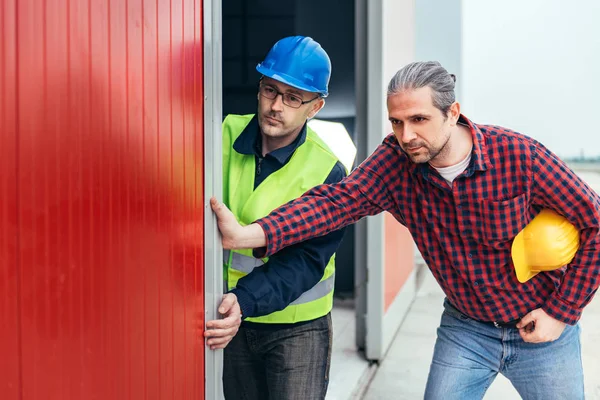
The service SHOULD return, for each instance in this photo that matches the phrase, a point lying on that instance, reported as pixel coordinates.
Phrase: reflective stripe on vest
(246, 264)
(321, 289)
(242, 263)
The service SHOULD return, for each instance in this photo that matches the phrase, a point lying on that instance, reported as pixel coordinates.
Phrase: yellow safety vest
(309, 166)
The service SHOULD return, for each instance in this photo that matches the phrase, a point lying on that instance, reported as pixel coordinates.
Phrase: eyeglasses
(289, 99)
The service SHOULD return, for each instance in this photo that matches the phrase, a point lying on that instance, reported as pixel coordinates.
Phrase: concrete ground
(403, 373)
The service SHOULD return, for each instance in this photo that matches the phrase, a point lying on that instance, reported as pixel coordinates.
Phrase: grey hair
(426, 73)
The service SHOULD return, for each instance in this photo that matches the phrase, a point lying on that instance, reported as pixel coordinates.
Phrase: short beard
(443, 150)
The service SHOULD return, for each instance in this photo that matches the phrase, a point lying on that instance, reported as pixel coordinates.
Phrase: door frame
(213, 252)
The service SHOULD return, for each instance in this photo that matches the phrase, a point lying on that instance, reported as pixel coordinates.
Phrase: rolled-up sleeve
(326, 208)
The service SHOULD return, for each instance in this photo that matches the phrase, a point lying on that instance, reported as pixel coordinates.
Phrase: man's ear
(454, 113)
(317, 106)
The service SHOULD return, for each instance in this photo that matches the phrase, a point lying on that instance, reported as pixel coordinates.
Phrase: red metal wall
(101, 118)
(399, 255)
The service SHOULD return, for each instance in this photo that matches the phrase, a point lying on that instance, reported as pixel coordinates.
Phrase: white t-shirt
(451, 172)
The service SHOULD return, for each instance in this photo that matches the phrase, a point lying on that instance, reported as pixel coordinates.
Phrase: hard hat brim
(522, 269)
(288, 80)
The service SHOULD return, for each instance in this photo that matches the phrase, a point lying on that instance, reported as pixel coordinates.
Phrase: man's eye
(419, 119)
(395, 122)
(294, 99)
(268, 89)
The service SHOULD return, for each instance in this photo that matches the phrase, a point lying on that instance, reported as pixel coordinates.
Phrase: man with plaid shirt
(464, 191)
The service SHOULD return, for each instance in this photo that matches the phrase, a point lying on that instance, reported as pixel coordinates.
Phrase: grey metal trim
(360, 228)
(375, 225)
(361, 78)
(213, 271)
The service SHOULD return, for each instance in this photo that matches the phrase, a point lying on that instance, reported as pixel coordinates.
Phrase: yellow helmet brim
(522, 269)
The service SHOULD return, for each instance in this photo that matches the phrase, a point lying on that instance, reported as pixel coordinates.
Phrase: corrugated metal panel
(103, 297)
(9, 283)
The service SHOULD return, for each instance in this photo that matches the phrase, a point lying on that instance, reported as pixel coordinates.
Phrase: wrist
(558, 309)
(245, 301)
(249, 237)
(237, 238)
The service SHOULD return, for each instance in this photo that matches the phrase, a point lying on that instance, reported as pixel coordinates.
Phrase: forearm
(315, 214)
(580, 283)
(327, 208)
(249, 237)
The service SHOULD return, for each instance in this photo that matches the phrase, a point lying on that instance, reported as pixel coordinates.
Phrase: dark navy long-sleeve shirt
(295, 269)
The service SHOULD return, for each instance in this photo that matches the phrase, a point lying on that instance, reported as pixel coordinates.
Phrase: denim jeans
(469, 354)
(284, 364)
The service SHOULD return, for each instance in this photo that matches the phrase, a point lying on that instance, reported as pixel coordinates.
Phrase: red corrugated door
(102, 130)
(9, 284)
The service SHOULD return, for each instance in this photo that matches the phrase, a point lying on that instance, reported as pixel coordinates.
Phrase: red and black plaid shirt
(465, 231)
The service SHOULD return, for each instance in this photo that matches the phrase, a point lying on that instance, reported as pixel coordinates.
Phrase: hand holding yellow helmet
(547, 243)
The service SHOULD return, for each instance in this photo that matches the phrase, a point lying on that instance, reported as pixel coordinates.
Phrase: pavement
(403, 373)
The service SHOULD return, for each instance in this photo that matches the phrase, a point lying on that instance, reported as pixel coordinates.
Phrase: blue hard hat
(300, 62)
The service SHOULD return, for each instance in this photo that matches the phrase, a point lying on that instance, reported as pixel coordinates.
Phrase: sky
(534, 66)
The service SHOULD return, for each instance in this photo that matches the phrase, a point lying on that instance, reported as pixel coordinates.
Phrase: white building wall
(534, 66)
(438, 31)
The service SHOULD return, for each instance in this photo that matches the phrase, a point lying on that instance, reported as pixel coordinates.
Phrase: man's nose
(277, 102)
(407, 135)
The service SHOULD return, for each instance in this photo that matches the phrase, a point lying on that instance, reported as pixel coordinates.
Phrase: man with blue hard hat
(282, 349)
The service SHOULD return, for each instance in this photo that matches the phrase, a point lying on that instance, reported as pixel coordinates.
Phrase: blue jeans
(283, 364)
(469, 354)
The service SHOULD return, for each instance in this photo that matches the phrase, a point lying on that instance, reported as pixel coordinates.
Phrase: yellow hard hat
(547, 243)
